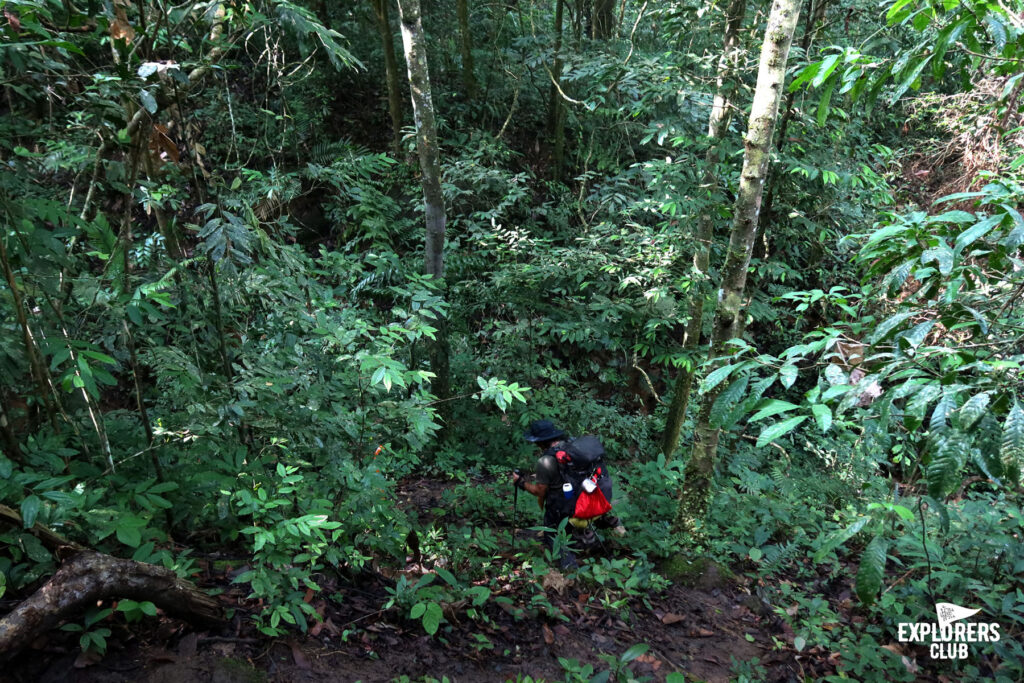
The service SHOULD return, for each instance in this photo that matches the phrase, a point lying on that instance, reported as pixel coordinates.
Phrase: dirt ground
(698, 630)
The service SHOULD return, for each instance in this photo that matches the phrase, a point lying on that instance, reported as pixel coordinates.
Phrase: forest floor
(699, 629)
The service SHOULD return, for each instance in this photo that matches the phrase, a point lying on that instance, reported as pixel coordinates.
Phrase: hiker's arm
(539, 490)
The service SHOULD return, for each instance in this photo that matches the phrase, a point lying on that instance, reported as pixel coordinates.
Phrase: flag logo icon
(948, 613)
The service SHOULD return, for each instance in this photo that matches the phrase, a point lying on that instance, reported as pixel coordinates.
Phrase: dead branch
(90, 576)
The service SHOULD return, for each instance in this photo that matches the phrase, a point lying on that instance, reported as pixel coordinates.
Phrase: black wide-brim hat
(542, 430)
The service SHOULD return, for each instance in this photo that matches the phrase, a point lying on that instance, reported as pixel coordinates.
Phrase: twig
(511, 110)
(748, 437)
(560, 91)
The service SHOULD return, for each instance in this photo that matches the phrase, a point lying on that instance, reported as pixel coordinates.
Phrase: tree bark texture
(466, 48)
(718, 122)
(36, 363)
(90, 576)
(430, 167)
(815, 14)
(695, 495)
(426, 133)
(604, 19)
(556, 108)
(380, 9)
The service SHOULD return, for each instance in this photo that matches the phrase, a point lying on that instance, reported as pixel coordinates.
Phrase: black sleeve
(547, 471)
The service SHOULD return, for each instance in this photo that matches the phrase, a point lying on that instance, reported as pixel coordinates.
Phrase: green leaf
(1012, 447)
(715, 378)
(432, 618)
(888, 326)
(787, 375)
(942, 255)
(727, 399)
(823, 416)
(828, 65)
(634, 652)
(773, 406)
(417, 610)
(976, 232)
(897, 7)
(448, 577)
(30, 508)
(871, 570)
(799, 643)
(755, 554)
(825, 103)
(839, 538)
(974, 409)
(148, 101)
(778, 430)
(909, 78)
(129, 535)
(948, 457)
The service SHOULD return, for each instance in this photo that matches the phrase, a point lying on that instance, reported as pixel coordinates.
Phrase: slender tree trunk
(718, 122)
(814, 15)
(430, 167)
(35, 361)
(466, 48)
(380, 9)
(10, 443)
(694, 497)
(604, 19)
(556, 108)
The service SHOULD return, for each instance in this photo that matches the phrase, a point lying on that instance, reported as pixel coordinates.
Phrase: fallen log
(90, 576)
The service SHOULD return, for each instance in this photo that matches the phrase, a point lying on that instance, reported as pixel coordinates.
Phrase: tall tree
(727, 321)
(380, 9)
(556, 108)
(604, 19)
(430, 168)
(718, 122)
(466, 48)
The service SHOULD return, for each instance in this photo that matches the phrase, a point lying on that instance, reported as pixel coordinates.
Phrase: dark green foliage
(218, 267)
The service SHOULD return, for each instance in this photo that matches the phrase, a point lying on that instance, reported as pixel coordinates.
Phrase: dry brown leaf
(910, 664)
(13, 20)
(554, 580)
(87, 658)
(120, 29)
(701, 633)
(301, 660)
(672, 618)
(650, 660)
(549, 637)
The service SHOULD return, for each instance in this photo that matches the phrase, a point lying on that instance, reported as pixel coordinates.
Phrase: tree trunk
(604, 19)
(727, 321)
(430, 167)
(380, 9)
(718, 122)
(36, 364)
(556, 109)
(815, 14)
(90, 576)
(466, 48)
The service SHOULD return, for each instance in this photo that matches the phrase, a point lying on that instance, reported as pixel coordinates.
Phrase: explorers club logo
(950, 637)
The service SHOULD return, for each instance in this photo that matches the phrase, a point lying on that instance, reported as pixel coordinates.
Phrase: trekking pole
(515, 508)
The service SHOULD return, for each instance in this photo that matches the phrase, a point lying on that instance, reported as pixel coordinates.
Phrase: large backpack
(579, 460)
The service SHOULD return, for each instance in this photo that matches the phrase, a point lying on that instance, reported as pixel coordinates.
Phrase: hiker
(554, 471)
